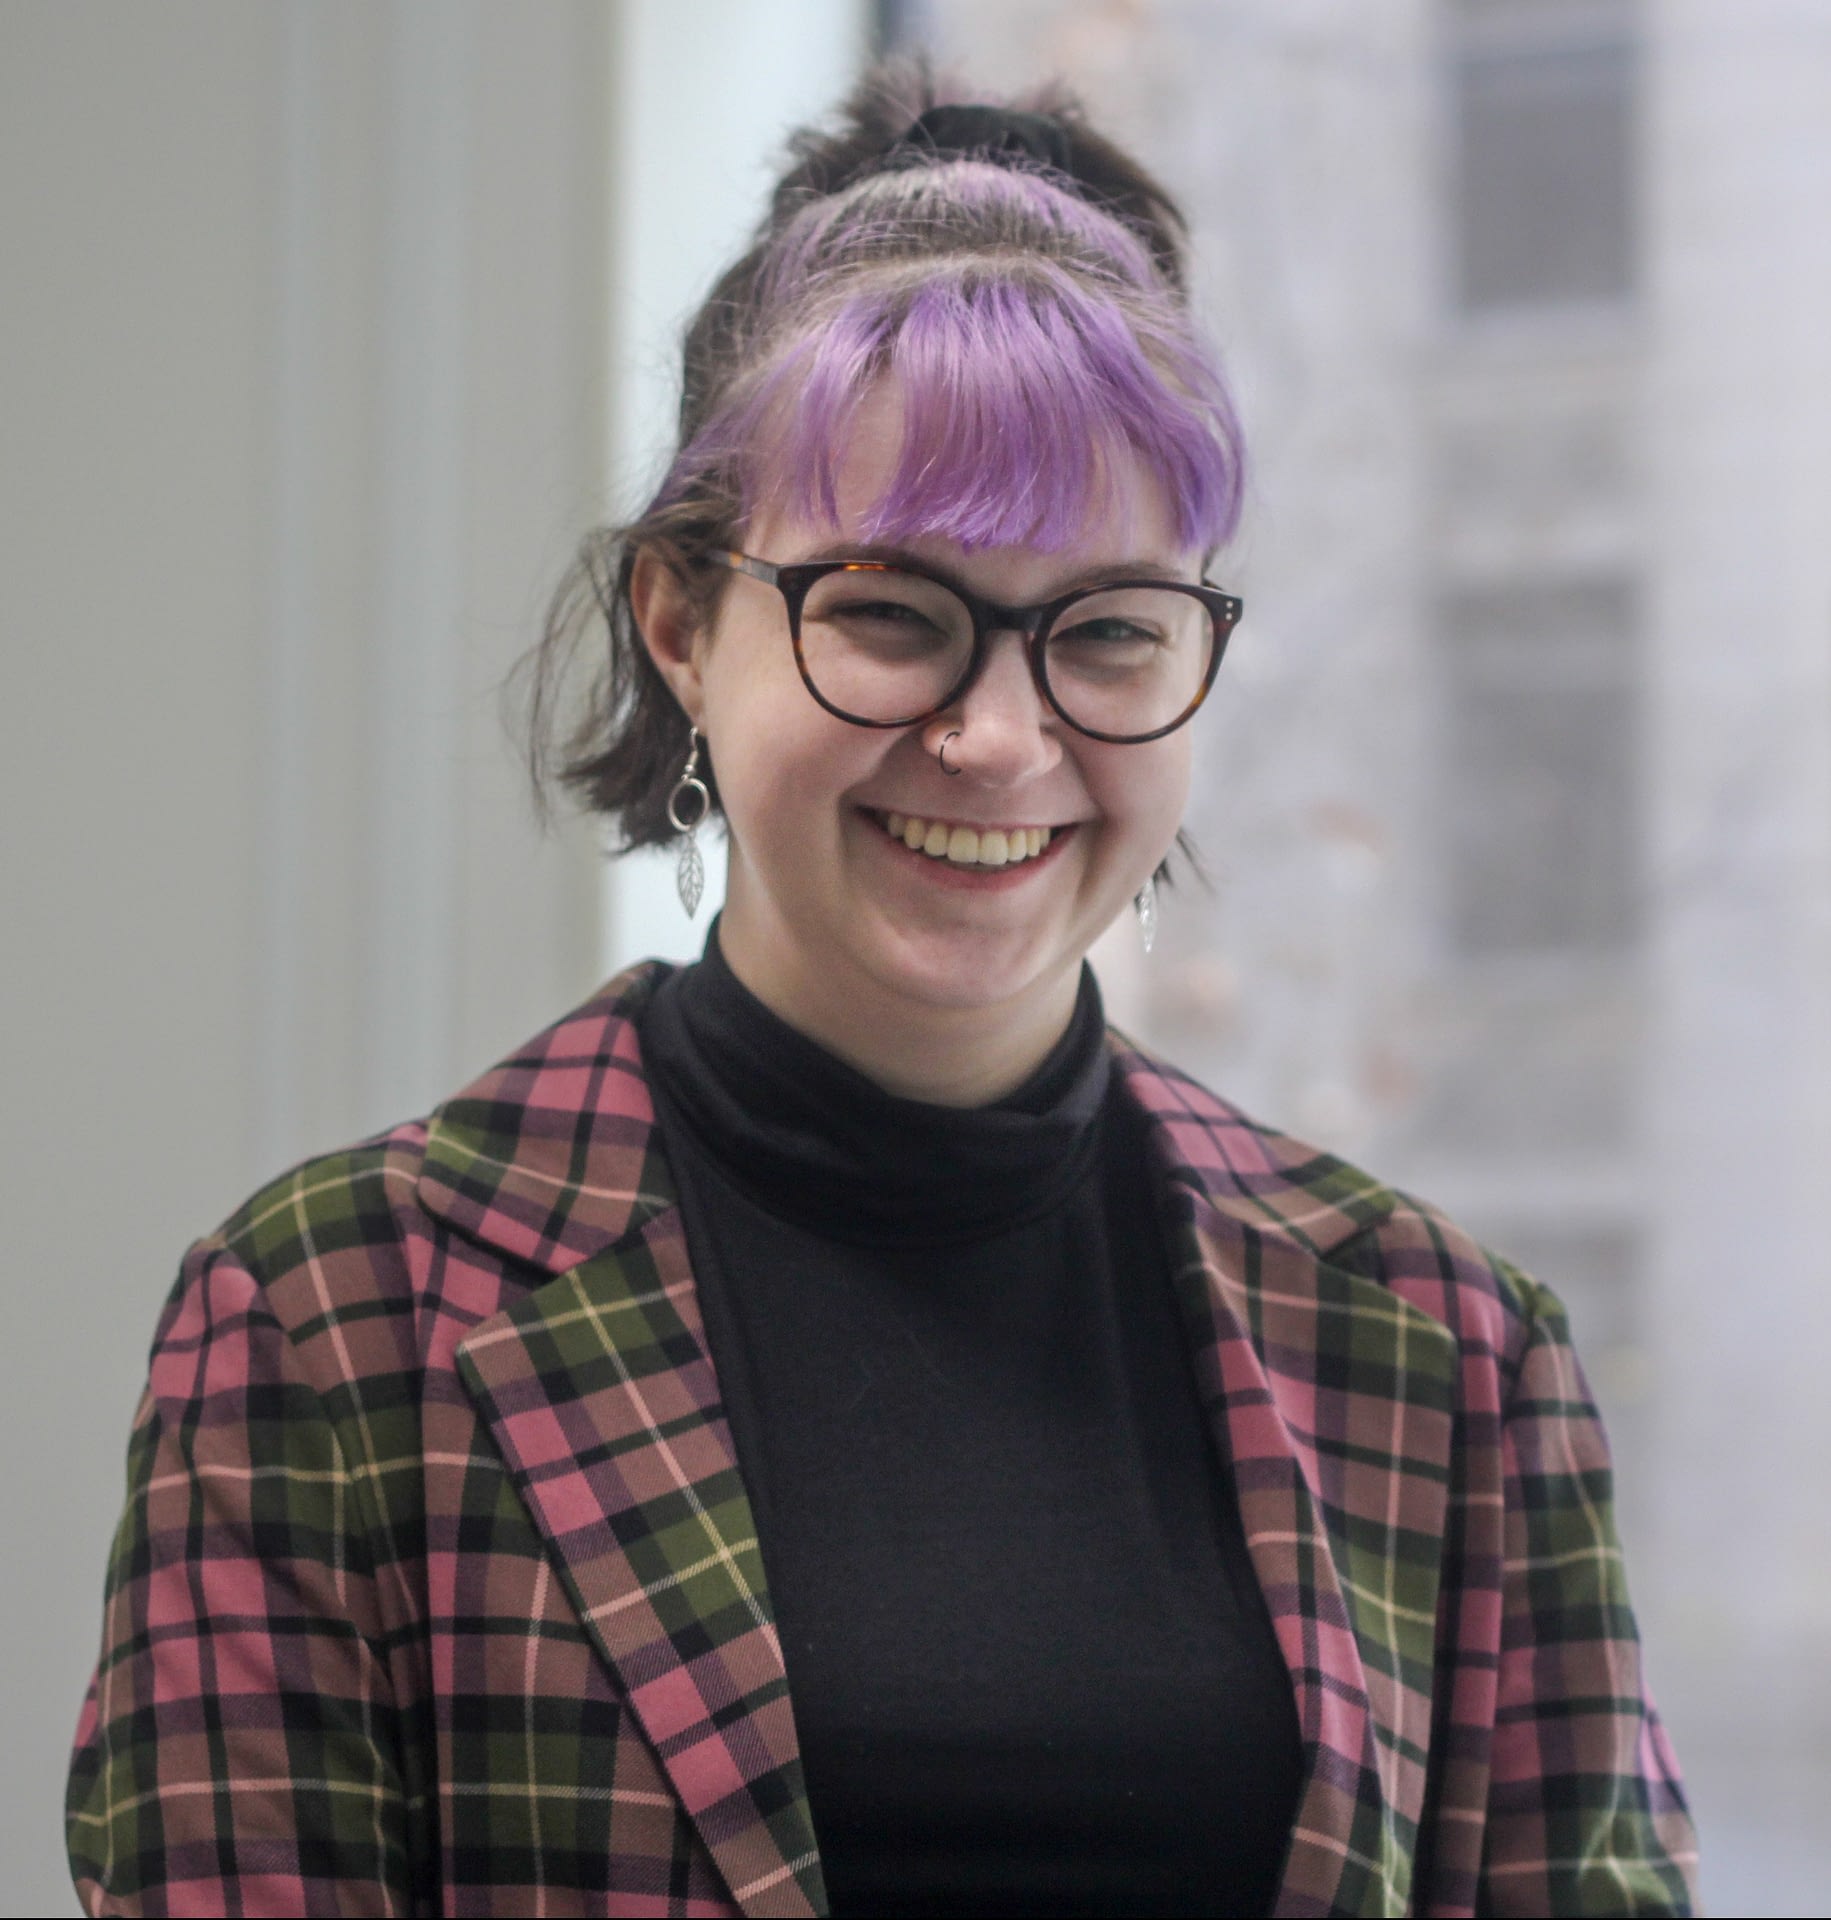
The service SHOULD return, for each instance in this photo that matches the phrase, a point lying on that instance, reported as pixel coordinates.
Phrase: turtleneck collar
(814, 1142)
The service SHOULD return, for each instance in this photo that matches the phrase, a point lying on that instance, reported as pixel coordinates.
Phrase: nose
(1004, 733)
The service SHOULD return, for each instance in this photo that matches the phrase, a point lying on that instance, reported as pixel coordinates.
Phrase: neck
(947, 1056)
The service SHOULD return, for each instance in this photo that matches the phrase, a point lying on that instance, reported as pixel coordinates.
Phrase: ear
(671, 628)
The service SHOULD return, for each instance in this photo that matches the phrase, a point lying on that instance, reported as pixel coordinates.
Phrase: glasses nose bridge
(993, 618)
(990, 619)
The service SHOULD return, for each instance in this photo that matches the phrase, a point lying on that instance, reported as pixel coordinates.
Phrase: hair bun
(895, 117)
(992, 131)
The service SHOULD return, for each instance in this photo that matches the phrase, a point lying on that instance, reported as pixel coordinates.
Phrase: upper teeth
(967, 846)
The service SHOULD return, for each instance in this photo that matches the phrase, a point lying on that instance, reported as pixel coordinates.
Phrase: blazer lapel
(599, 1391)
(1333, 1401)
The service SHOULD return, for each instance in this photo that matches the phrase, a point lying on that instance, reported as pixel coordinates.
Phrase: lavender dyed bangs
(1025, 392)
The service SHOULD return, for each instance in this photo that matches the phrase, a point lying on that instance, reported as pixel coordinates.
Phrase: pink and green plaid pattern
(437, 1588)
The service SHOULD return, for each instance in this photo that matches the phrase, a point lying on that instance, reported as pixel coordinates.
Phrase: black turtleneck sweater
(1031, 1667)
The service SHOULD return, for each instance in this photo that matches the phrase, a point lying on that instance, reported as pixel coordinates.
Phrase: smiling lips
(966, 846)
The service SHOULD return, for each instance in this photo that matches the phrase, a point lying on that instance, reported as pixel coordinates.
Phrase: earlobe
(670, 626)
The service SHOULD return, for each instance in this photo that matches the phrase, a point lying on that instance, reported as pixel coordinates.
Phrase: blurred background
(326, 326)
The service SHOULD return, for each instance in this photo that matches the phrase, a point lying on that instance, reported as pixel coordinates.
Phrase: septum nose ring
(942, 755)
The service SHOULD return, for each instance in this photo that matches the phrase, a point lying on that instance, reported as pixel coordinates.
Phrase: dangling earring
(1144, 904)
(690, 875)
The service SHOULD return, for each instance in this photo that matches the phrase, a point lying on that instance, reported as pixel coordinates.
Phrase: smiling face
(941, 976)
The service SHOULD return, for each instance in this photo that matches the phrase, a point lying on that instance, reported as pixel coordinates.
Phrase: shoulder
(376, 1259)
(1268, 1184)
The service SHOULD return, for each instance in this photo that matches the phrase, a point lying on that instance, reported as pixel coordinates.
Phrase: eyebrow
(1095, 576)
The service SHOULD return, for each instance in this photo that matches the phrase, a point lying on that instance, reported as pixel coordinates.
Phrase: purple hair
(1025, 382)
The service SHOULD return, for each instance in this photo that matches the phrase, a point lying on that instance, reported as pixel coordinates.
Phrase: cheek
(782, 763)
(1142, 792)
(753, 719)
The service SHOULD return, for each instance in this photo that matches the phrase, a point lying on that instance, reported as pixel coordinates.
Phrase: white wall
(302, 367)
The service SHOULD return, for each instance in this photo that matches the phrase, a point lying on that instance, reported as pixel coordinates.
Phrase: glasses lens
(882, 645)
(1130, 661)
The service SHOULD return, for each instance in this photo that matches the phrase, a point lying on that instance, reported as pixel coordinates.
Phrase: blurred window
(1543, 157)
(1538, 801)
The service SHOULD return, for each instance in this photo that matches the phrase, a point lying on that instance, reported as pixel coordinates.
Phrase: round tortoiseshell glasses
(888, 645)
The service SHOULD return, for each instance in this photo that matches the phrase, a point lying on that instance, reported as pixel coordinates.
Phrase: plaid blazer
(438, 1591)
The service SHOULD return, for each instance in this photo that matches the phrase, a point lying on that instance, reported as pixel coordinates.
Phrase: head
(979, 363)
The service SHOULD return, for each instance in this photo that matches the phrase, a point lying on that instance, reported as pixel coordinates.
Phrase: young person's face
(819, 891)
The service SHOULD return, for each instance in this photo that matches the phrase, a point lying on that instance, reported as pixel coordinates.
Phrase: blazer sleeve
(1587, 1813)
(236, 1753)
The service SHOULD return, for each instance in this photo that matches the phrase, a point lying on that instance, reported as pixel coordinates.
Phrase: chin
(961, 968)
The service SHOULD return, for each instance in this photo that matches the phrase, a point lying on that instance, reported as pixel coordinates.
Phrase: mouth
(972, 848)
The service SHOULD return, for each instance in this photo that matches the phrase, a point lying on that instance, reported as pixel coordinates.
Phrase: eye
(887, 629)
(1105, 647)
(890, 613)
(888, 616)
(1109, 630)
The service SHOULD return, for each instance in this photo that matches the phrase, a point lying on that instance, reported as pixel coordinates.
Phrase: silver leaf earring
(690, 875)
(1144, 903)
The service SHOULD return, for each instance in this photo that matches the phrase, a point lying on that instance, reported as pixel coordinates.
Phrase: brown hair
(620, 750)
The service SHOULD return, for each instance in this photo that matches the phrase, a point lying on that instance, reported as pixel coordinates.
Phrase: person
(834, 1428)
